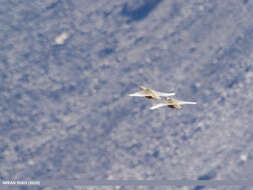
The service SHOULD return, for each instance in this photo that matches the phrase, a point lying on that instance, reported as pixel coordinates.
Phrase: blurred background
(66, 68)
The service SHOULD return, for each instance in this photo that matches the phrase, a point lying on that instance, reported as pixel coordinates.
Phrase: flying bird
(171, 103)
(151, 94)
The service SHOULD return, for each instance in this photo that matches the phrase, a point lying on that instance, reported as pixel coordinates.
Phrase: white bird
(171, 103)
(150, 93)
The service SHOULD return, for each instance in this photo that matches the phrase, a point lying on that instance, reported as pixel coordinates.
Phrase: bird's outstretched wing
(139, 94)
(162, 94)
(158, 106)
(182, 102)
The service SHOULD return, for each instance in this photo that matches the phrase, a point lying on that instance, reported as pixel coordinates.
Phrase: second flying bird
(151, 94)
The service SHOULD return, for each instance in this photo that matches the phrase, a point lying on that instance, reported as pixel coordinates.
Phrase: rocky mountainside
(66, 68)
